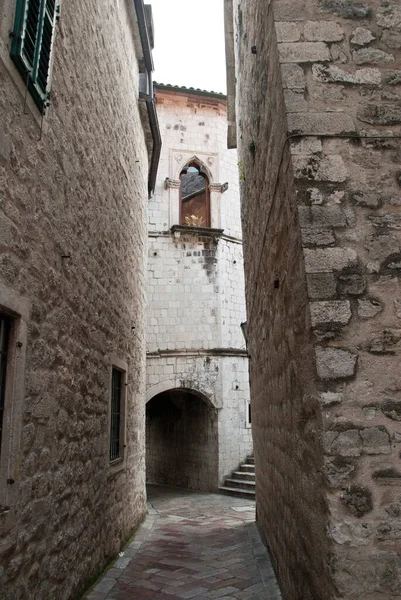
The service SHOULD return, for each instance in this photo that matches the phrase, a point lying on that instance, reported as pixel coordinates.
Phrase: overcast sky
(189, 43)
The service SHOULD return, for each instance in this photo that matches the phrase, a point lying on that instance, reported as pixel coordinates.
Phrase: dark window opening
(34, 26)
(5, 326)
(116, 414)
(249, 414)
(194, 197)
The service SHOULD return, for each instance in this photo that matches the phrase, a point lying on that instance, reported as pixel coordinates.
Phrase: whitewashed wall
(196, 298)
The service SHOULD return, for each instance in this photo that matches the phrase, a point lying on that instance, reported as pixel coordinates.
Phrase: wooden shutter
(34, 27)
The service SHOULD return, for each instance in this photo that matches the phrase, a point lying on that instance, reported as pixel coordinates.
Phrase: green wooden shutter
(34, 27)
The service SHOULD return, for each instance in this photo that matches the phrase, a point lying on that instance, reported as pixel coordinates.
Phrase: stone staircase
(242, 482)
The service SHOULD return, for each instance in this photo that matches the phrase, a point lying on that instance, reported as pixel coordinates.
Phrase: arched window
(194, 197)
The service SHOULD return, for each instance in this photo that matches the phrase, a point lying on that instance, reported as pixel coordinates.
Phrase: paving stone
(193, 545)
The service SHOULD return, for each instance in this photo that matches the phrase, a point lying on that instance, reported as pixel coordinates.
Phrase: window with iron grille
(33, 35)
(5, 325)
(116, 414)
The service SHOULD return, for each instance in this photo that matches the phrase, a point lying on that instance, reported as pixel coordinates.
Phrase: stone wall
(195, 278)
(292, 511)
(72, 249)
(340, 86)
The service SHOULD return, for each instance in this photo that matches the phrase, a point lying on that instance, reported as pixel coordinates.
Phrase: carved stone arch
(169, 385)
(203, 168)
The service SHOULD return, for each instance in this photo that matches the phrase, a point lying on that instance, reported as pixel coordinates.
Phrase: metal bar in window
(4, 334)
(115, 417)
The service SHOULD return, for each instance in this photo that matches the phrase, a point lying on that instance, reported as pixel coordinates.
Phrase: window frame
(119, 462)
(30, 74)
(17, 309)
(202, 173)
(5, 337)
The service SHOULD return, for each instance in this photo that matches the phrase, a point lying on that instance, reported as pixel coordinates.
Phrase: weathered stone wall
(291, 508)
(340, 70)
(195, 282)
(72, 243)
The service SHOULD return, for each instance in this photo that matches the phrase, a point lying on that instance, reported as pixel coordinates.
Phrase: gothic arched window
(194, 197)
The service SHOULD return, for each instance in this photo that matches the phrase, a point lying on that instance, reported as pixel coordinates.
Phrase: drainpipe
(146, 94)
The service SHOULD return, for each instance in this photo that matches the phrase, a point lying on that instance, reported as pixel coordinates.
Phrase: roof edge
(190, 90)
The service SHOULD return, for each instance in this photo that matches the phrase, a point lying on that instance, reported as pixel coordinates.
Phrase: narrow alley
(192, 545)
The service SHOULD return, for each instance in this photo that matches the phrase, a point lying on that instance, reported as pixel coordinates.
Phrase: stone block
(389, 17)
(393, 77)
(345, 8)
(331, 398)
(367, 309)
(392, 39)
(367, 199)
(392, 410)
(335, 74)
(328, 216)
(323, 31)
(315, 123)
(295, 101)
(345, 443)
(321, 260)
(335, 363)
(331, 312)
(358, 500)
(313, 168)
(288, 10)
(375, 440)
(294, 76)
(380, 114)
(306, 146)
(338, 471)
(321, 285)
(287, 32)
(304, 52)
(385, 342)
(372, 56)
(362, 37)
(317, 236)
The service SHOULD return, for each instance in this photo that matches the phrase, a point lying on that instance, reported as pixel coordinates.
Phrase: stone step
(248, 468)
(242, 484)
(238, 492)
(250, 460)
(244, 475)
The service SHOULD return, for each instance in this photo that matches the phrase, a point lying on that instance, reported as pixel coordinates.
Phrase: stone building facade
(198, 426)
(318, 109)
(73, 199)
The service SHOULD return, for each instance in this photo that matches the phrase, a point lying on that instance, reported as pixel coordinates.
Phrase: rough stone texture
(334, 312)
(351, 87)
(291, 510)
(371, 56)
(322, 31)
(362, 37)
(303, 52)
(335, 363)
(74, 203)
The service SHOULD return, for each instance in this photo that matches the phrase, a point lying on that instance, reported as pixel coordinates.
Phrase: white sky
(189, 43)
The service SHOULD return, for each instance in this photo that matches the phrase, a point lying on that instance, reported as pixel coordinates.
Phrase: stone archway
(182, 440)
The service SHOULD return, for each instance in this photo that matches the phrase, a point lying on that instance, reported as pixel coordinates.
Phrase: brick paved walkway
(192, 545)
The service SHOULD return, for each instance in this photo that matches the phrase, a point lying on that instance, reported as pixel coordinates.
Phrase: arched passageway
(181, 441)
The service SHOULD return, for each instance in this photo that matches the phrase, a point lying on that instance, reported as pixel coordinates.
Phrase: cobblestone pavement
(192, 545)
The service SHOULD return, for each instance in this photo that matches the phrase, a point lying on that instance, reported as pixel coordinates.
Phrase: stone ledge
(200, 231)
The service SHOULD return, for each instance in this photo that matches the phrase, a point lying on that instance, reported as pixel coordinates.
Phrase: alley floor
(192, 545)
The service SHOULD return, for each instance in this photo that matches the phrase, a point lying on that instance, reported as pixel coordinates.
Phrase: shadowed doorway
(181, 441)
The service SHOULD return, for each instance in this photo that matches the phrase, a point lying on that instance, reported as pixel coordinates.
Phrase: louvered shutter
(34, 28)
